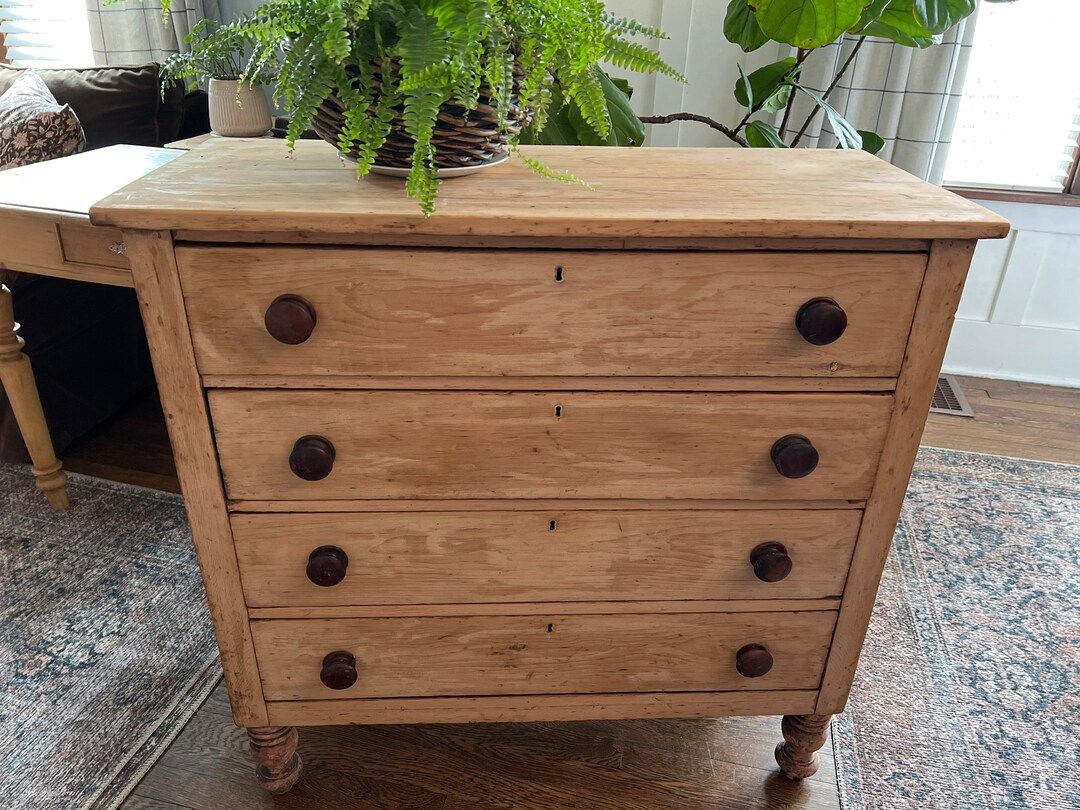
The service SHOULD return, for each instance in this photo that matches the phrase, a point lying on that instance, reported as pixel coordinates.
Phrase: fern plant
(388, 61)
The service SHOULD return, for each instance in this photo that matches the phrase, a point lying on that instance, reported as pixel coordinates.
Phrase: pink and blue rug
(968, 691)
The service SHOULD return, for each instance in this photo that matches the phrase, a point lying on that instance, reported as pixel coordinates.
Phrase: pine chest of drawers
(554, 453)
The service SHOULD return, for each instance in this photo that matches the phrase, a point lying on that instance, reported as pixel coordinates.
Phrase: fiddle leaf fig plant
(807, 26)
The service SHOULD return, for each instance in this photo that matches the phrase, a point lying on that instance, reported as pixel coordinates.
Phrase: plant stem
(843, 69)
(790, 102)
(701, 119)
(746, 118)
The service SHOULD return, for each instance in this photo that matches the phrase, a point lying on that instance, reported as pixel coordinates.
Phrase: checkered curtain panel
(134, 32)
(907, 96)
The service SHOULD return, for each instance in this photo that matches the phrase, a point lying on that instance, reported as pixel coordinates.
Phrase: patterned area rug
(968, 692)
(106, 647)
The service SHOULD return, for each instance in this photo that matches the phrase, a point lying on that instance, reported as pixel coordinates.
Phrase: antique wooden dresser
(634, 450)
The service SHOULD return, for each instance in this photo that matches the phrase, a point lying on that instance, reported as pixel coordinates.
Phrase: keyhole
(558, 273)
(551, 628)
(551, 526)
(558, 411)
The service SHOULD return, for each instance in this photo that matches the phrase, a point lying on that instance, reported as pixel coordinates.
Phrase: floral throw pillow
(33, 127)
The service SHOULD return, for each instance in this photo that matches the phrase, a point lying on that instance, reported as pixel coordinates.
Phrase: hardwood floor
(725, 763)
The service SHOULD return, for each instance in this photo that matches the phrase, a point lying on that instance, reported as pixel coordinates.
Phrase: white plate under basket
(455, 171)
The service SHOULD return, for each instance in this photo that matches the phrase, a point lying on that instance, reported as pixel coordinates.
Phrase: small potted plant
(430, 88)
(238, 102)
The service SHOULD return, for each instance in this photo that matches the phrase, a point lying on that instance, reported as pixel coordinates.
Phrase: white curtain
(907, 96)
(134, 32)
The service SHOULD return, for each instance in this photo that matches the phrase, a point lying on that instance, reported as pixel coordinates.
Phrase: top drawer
(543, 313)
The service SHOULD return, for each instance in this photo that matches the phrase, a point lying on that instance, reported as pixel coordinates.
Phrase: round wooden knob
(326, 566)
(794, 456)
(290, 319)
(338, 670)
(821, 321)
(753, 661)
(771, 562)
(312, 458)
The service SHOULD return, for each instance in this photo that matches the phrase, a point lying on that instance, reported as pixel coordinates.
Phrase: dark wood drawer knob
(821, 321)
(753, 661)
(327, 565)
(290, 319)
(794, 456)
(771, 562)
(312, 458)
(338, 670)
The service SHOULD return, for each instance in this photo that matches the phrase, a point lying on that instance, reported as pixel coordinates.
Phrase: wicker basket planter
(462, 137)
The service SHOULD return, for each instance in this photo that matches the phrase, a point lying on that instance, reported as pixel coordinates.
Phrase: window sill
(1034, 197)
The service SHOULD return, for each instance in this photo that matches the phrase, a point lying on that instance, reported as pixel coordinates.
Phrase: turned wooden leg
(17, 378)
(277, 764)
(804, 734)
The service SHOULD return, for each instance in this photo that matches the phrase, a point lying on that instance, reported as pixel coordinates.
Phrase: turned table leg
(17, 379)
(804, 734)
(277, 764)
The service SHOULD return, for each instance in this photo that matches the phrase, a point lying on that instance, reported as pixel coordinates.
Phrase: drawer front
(392, 444)
(89, 244)
(399, 558)
(519, 655)
(466, 313)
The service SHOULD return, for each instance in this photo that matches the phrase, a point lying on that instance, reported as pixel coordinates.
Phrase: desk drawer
(423, 444)
(554, 313)
(399, 558)
(557, 654)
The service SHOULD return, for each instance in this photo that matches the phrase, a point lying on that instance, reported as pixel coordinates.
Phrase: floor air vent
(949, 398)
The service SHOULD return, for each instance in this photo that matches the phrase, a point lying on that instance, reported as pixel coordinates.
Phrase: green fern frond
(632, 56)
(588, 93)
(624, 25)
(544, 170)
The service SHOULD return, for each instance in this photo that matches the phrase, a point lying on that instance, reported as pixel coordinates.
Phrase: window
(45, 33)
(1019, 118)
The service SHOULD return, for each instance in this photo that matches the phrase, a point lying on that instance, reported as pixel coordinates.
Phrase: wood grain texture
(517, 445)
(934, 315)
(540, 708)
(545, 243)
(706, 764)
(221, 185)
(73, 184)
(529, 504)
(544, 608)
(526, 313)
(158, 287)
(804, 735)
(30, 242)
(17, 382)
(440, 383)
(89, 244)
(552, 654)
(559, 555)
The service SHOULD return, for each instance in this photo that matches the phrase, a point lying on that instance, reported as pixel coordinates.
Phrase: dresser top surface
(251, 185)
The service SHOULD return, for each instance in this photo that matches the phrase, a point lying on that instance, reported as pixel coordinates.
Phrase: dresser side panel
(938, 300)
(158, 287)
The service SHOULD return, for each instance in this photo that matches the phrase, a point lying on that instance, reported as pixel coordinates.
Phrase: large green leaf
(846, 134)
(941, 15)
(741, 26)
(566, 126)
(871, 141)
(763, 136)
(764, 83)
(896, 21)
(807, 23)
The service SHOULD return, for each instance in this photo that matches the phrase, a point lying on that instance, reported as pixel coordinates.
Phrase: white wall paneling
(1019, 318)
